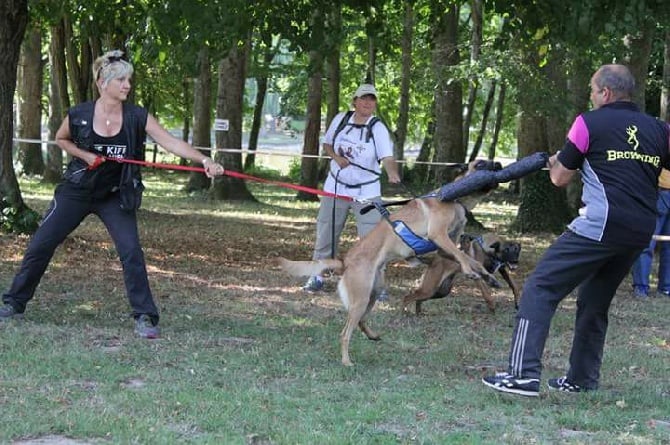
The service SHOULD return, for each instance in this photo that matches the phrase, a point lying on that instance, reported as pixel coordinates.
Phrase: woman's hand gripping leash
(212, 168)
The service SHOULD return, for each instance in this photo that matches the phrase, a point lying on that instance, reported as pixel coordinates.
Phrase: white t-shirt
(352, 142)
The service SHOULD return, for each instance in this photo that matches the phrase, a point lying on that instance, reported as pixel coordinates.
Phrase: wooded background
(459, 78)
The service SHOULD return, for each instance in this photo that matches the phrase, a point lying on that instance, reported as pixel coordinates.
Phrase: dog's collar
(496, 263)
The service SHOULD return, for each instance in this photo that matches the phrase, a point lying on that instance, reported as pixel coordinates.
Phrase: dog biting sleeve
(483, 178)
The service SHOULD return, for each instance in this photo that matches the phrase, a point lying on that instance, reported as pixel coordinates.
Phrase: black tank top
(109, 172)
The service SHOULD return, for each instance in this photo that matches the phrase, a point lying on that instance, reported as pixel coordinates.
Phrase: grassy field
(247, 357)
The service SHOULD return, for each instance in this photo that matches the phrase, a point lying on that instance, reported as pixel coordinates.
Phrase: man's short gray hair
(618, 79)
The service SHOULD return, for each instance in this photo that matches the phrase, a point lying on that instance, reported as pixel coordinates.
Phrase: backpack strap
(345, 121)
(371, 124)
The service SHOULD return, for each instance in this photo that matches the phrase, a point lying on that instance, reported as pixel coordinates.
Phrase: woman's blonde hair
(111, 66)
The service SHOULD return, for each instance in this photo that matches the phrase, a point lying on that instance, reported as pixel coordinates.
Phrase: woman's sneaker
(7, 312)
(505, 382)
(145, 328)
(314, 284)
(562, 384)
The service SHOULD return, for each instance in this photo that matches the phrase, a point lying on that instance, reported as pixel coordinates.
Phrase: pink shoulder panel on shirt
(579, 134)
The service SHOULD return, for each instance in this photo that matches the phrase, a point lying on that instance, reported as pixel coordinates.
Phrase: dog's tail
(309, 268)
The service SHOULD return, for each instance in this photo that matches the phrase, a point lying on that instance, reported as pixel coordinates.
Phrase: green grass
(246, 357)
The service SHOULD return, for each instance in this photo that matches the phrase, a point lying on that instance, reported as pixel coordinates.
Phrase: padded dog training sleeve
(482, 178)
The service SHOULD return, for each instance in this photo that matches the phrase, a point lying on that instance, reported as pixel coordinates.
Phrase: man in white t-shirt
(356, 146)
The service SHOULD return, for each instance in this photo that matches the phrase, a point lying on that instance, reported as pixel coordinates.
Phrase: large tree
(30, 101)
(13, 21)
(229, 102)
(665, 81)
(59, 100)
(448, 137)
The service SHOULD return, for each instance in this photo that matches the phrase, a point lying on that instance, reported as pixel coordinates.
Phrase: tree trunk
(261, 91)
(639, 49)
(187, 115)
(13, 21)
(665, 88)
(448, 96)
(476, 13)
(309, 165)
(202, 118)
(229, 103)
(500, 107)
(333, 76)
(58, 103)
(405, 76)
(543, 206)
(333, 73)
(30, 102)
(421, 170)
(485, 118)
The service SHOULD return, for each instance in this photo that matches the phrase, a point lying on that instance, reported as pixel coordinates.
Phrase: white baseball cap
(364, 89)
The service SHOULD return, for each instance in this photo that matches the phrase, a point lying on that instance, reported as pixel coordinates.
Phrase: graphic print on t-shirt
(111, 150)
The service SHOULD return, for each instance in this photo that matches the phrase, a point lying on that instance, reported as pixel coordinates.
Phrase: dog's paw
(491, 281)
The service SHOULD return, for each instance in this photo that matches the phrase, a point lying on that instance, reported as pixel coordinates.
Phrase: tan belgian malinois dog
(488, 249)
(362, 267)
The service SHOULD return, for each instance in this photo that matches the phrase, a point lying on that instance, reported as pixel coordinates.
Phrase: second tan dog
(489, 249)
(362, 267)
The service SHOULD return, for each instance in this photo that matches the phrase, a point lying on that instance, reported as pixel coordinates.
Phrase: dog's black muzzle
(508, 255)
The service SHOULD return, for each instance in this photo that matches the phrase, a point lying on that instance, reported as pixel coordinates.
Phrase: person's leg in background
(330, 222)
(642, 266)
(663, 226)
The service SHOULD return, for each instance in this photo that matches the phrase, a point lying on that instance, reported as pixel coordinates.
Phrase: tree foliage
(508, 66)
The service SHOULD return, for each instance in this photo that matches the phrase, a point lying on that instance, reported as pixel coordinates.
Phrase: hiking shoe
(7, 312)
(562, 384)
(383, 295)
(145, 328)
(314, 284)
(640, 294)
(505, 382)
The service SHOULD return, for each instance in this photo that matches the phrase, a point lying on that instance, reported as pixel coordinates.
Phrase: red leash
(233, 174)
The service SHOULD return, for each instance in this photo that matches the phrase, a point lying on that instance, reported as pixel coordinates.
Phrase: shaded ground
(239, 333)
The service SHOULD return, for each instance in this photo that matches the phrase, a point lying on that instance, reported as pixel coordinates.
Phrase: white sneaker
(314, 284)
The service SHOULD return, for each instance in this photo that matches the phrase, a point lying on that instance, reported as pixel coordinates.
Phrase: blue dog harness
(419, 245)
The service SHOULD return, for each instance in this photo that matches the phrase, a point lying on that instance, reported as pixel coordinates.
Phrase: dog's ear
(495, 246)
